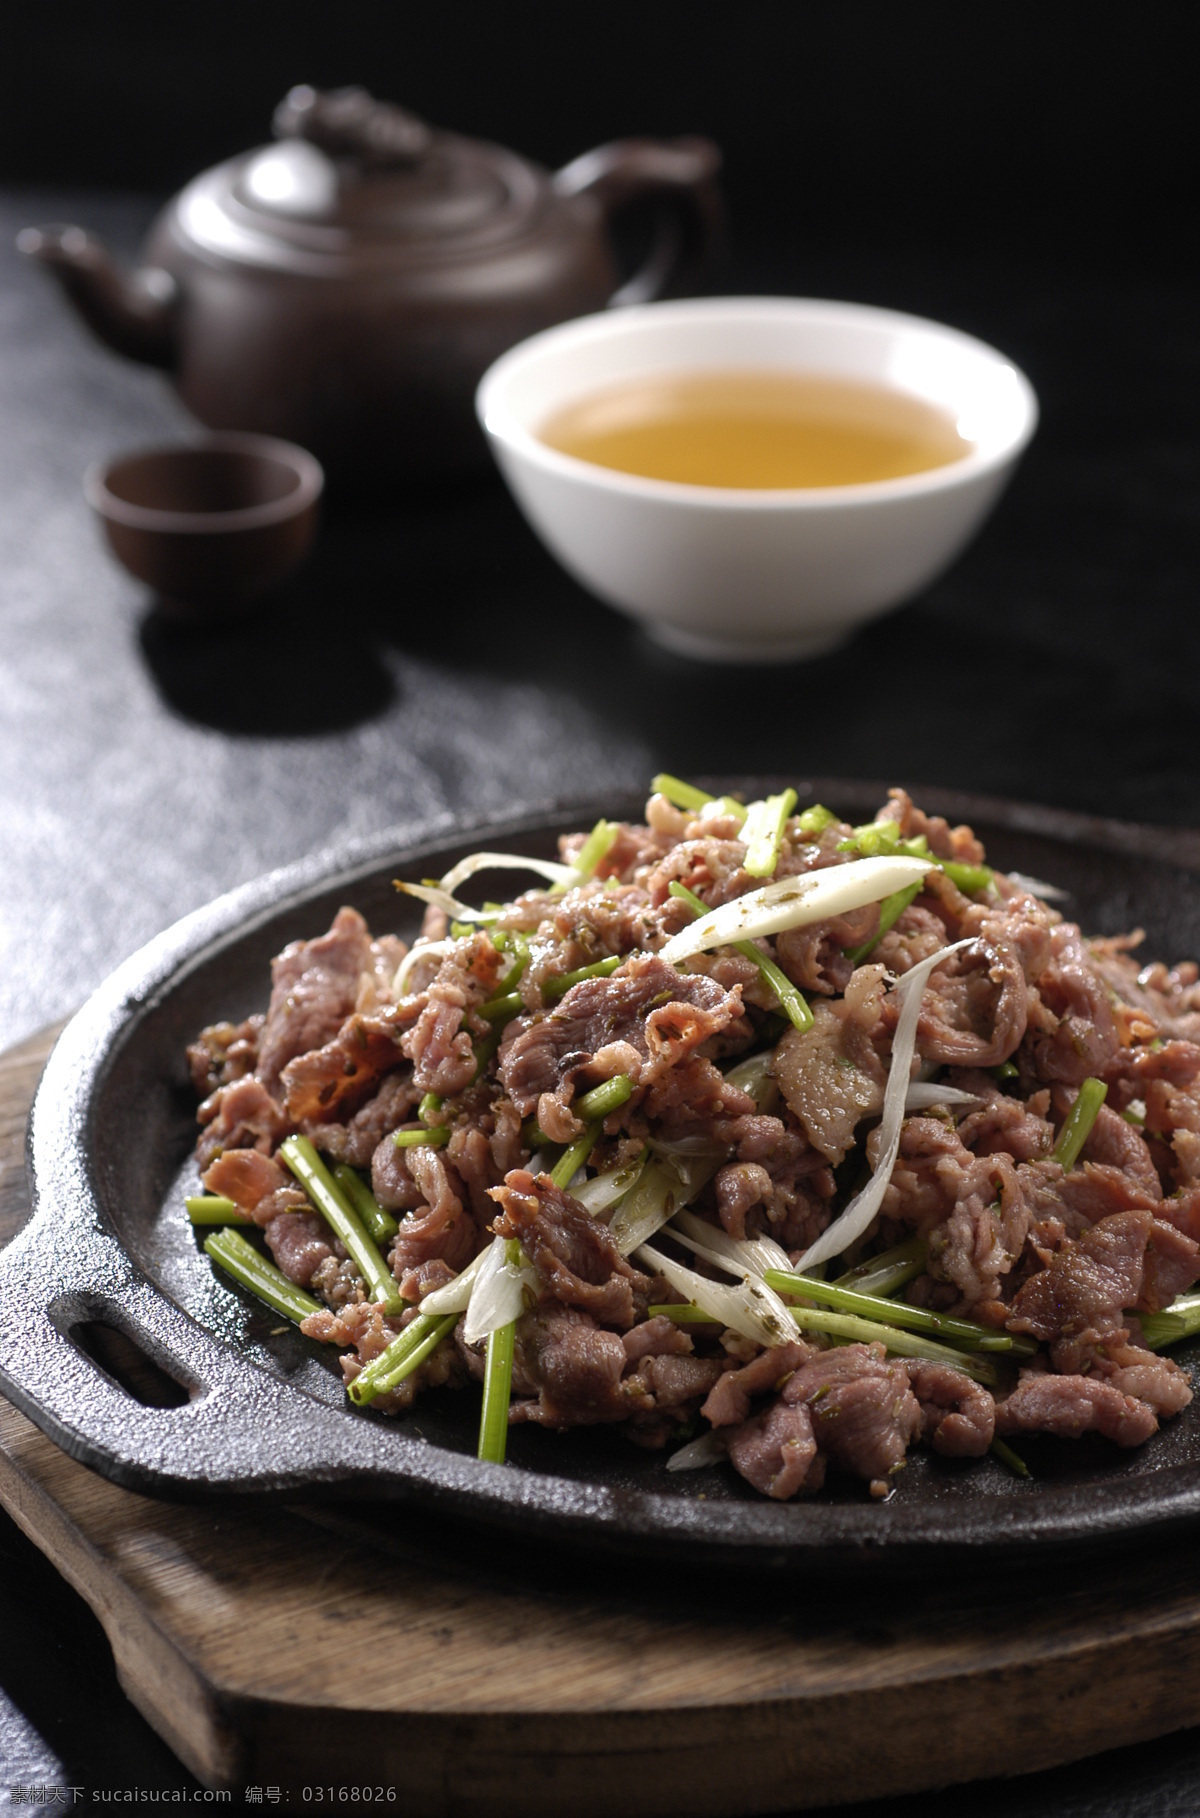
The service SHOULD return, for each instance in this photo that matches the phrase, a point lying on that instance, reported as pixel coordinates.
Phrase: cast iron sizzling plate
(109, 1154)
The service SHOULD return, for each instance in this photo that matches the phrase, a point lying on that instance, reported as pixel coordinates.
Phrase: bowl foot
(743, 650)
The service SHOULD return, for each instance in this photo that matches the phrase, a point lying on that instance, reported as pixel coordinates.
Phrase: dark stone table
(433, 659)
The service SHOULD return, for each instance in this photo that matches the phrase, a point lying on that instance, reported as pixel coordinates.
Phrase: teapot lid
(349, 174)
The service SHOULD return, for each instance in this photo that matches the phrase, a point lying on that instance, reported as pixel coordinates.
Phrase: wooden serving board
(302, 1646)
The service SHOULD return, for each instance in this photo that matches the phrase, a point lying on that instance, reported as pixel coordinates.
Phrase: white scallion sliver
(756, 1076)
(709, 1449)
(851, 1223)
(922, 1093)
(456, 1295)
(442, 899)
(796, 902)
(497, 1293)
(507, 861)
(422, 950)
(604, 1191)
(740, 1256)
(1038, 886)
(748, 1307)
(665, 1187)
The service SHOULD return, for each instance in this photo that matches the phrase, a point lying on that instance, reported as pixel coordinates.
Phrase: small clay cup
(211, 525)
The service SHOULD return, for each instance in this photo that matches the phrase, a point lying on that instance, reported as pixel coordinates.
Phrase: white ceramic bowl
(754, 576)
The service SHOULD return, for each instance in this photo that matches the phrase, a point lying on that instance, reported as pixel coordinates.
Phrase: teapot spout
(133, 312)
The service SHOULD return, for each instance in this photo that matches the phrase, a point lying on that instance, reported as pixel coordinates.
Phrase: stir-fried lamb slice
(958, 1416)
(660, 1015)
(314, 988)
(776, 1451)
(1069, 1406)
(862, 1407)
(831, 1075)
(574, 1253)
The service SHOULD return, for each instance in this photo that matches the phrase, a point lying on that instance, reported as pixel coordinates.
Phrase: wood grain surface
(298, 1646)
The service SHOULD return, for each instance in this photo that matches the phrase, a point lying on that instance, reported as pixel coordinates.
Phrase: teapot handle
(681, 174)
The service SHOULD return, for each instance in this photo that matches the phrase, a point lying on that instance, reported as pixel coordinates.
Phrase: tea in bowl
(753, 477)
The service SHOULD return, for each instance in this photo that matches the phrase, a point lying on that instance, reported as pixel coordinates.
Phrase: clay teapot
(346, 287)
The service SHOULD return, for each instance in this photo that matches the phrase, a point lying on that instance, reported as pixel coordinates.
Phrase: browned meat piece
(958, 1417)
(1083, 1039)
(1003, 1125)
(239, 1116)
(673, 1384)
(1068, 1406)
(945, 841)
(1091, 1193)
(391, 1180)
(711, 868)
(1158, 1381)
(223, 1053)
(777, 1453)
(335, 1079)
(246, 1176)
(1088, 1283)
(424, 1278)
(314, 989)
(815, 957)
(985, 1232)
(729, 1401)
(657, 1337)
(1172, 1265)
(1163, 1000)
(973, 1011)
(439, 1046)
(1114, 1143)
(659, 1012)
(831, 1076)
(576, 1255)
(300, 1242)
(573, 1367)
(439, 1226)
(862, 1407)
(916, 935)
(356, 1141)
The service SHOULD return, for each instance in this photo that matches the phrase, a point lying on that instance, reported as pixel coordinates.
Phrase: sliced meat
(314, 988)
(831, 1077)
(958, 1416)
(246, 1176)
(356, 1141)
(862, 1408)
(572, 1366)
(729, 1402)
(777, 1452)
(574, 1253)
(1088, 1282)
(974, 1008)
(661, 1013)
(1069, 1406)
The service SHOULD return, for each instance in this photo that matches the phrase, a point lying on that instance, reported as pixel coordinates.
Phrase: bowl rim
(308, 472)
(503, 427)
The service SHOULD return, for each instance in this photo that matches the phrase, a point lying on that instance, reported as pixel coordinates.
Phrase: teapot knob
(350, 123)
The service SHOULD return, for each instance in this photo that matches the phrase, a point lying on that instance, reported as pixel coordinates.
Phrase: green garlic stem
(572, 1159)
(405, 1353)
(959, 1332)
(300, 1156)
(212, 1209)
(762, 831)
(608, 1096)
(381, 1227)
(426, 1136)
(264, 1278)
(1077, 1125)
(791, 1000)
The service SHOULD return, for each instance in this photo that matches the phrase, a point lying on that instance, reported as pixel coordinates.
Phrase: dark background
(1023, 172)
(1060, 134)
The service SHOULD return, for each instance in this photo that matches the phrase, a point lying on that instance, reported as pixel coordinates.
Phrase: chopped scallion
(213, 1209)
(762, 831)
(791, 999)
(1077, 1125)
(253, 1270)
